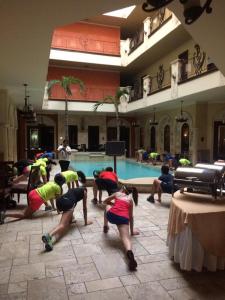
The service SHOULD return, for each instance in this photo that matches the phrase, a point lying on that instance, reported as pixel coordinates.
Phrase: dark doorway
(111, 133)
(152, 138)
(93, 138)
(185, 139)
(125, 136)
(73, 136)
(167, 138)
(184, 61)
(39, 139)
(219, 140)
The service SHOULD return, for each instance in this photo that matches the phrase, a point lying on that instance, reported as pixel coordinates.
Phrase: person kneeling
(66, 204)
(119, 211)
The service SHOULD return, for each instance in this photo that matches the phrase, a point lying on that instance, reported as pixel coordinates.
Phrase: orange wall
(87, 38)
(98, 84)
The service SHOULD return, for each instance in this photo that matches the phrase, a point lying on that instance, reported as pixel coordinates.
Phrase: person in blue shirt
(164, 184)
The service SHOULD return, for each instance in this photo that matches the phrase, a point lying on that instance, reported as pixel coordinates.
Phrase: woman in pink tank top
(119, 211)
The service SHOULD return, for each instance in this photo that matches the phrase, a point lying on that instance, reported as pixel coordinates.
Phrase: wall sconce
(192, 8)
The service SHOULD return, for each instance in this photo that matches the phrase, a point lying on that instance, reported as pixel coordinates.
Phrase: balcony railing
(196, 66)
(161, 81)
(161, 17)
(137, 40)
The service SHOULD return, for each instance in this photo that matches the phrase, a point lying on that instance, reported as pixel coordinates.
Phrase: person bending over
(66, 204)
(37, 197)
(72, 178)
(107, 181)
(119, 211)
(164, 184)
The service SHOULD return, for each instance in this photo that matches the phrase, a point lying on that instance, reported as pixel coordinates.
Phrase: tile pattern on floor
(87, 264)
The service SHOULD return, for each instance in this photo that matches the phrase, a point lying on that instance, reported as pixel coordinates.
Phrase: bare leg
(125, 236)
(26, 214)
(106, 226)
(68, 184)
(52, 203)
(20, 178)
(64, 223)
(100, 196)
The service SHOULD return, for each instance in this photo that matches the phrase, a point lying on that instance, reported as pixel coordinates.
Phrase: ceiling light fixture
(192, 8)
(181, 118)
(153, 122)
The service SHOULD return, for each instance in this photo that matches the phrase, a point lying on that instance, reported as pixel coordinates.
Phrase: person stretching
(164, 184)
(66, 204)
(72, 177)
(119, 211)
(108, 181)
(37, 197)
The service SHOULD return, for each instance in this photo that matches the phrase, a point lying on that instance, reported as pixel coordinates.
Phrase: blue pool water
(125, 169)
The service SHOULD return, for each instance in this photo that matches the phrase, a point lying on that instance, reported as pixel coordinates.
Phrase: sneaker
(2, 217)
(105, 229)
(48, 208)
(151, 199)
(94, 201)
(131, 261)
(47, 240)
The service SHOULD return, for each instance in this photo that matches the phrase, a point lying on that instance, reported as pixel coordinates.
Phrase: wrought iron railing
(137, 39)
(196, 66)
(136, 92)
(160, 81)
(159, 19)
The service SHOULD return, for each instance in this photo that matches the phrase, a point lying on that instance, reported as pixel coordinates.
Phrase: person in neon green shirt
(37, 197)
(184, 162)
(72, 176)
(153, 156)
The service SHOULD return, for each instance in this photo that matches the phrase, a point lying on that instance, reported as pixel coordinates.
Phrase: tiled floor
(87, 264)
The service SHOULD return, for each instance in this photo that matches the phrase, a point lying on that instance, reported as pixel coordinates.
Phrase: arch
(185, 138)
(166, 142)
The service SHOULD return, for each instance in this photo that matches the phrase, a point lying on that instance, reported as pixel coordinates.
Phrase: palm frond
(96, 105)
(120, 93)
(52, 83)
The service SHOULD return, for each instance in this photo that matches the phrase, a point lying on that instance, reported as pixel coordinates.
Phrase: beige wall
(8, 127)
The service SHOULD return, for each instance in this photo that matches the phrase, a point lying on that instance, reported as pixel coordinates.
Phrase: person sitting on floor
(107, 181)
(66, 204)
(37, 197)
(164, 184)
(119, 211)
(72, 178)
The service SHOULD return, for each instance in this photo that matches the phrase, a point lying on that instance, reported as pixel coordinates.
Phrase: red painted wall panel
(98, 84)
(87, 38)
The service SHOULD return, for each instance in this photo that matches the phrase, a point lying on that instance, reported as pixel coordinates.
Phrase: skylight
(121, 13)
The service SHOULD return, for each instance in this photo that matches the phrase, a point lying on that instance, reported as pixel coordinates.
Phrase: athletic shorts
(65, 203)
(34, 200)
(166, 188)
(107, 185)
(115, 219)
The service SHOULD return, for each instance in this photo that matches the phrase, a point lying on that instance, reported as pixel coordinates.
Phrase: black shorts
(107, 185)
(115, 219)
(65, 203)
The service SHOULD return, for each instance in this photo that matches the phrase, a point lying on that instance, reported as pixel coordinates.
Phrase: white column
(147, 28)
(175, 77)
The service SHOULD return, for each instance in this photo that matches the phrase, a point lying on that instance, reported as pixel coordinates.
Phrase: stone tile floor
(87, 264)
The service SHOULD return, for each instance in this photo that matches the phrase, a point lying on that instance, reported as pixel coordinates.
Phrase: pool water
(125, 169)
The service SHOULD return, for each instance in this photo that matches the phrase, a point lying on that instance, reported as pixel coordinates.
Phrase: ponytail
(134, 191)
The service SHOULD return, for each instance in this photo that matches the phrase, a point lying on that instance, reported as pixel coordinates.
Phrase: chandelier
(181, 118)
(28, 112)
(192, 8)
(153, 122)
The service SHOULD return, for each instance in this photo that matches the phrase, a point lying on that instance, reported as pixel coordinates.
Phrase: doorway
(125, 136)
(153, 138)
(73, 136)
(93, 138)
(184, 61)
(39, 139)
(219, 140)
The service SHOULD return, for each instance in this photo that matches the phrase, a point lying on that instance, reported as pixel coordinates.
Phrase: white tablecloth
(186, 250)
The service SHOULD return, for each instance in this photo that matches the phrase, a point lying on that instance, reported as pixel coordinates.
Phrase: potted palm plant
(115, 100)
(66, 82)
